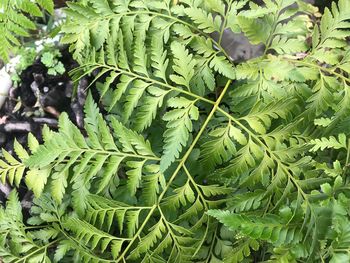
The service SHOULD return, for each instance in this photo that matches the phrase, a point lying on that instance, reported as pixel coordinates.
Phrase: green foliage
(18, 244)
(196, 159)
(50, 60)
(15, 22)
(49, 56)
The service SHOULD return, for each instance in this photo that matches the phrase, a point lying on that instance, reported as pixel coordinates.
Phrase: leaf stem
(138, 233)
(130, 73)
(190, 149)
(195, 186)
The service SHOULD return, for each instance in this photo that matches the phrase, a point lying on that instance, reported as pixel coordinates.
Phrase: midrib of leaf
(204, 201)
(165, 221)
(132, 74)
(109, 153)
(10, 167)
(178, 168)
(346, 167)
(212, 246)
(124, 208)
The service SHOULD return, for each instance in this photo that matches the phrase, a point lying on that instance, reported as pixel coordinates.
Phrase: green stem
(274, 26)
(211, 250)
(204, 201)
(188, 152)
(195, 186)
(172, 234)
(138, 233)
(129, 73)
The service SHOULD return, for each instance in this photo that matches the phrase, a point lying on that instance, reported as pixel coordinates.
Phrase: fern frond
(87, 234)
(14, 23)
(331, 143)
(12, 169)
(116, 191)
(179, 127)
(16, 244)
(102, 212)
(144, 86)
(183, 65)
(259, 228)
(221, 149)
(155, 233)
(203, 20)
(68, 148)
(247, 201)
(332, 24)
(241, 250)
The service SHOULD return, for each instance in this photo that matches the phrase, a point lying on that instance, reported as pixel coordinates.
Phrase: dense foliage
(15, 24)
(194, 158)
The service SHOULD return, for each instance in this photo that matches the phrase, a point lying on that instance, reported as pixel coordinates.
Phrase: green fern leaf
(114, 191)
(13, 170)
(95, 238)
(47, 5)
(149, 107)
(242, 250)
(134, 176)
(224, 67)
(14, 24)
(36, 180)
(219, 150)
(204, 20)
(184, 65)
(159, 59)
(258, 228)
(332, 143)
(155, 233)
(179, 127)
